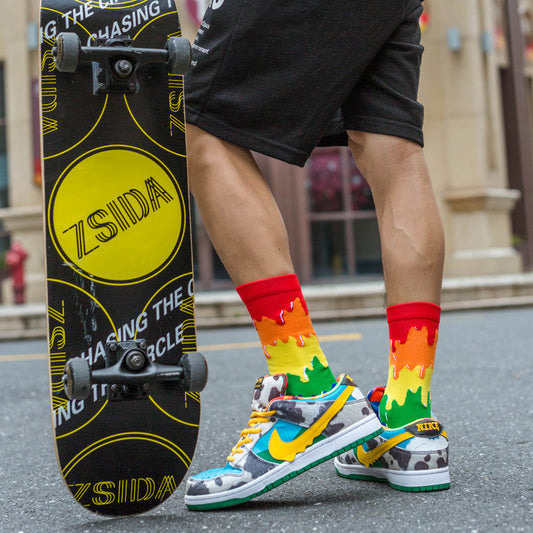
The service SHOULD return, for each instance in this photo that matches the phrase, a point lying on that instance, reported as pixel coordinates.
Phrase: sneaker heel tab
(376, 394)
(425, 428)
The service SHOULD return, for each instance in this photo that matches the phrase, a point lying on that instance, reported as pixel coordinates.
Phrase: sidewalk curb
(326, 303)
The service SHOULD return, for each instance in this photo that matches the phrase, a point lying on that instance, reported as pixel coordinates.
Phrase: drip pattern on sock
(411, 362)
(291, 347)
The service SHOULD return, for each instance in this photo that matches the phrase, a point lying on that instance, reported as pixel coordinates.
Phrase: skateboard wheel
(179, 55)
(66, 52)
(77, 378)
(194, 371)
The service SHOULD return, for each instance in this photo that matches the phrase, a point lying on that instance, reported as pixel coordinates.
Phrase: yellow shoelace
(256, 418)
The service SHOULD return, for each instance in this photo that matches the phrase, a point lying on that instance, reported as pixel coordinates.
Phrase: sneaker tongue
(266, 389)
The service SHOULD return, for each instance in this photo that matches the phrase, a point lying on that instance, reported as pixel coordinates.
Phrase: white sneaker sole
(406, 480)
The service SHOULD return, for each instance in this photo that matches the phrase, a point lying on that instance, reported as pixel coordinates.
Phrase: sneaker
(412, 458)
(286, 436)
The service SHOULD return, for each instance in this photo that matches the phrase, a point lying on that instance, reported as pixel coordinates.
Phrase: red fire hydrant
(15, 257)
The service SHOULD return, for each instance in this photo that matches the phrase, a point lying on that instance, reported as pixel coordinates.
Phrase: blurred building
(477, 91)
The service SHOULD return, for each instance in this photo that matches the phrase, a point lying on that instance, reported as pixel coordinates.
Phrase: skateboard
(125, 377)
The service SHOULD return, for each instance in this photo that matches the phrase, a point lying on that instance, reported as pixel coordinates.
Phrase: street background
(481, 392)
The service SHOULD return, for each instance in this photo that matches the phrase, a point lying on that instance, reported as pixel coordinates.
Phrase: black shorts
(282, 76)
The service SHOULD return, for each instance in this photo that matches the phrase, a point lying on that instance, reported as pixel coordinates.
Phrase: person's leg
(248, 232)
(412, 241)
(412, 237)
(412, 453)
(237, 209)
(301, 414)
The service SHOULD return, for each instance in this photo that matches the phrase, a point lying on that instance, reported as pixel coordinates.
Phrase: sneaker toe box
(215, 480)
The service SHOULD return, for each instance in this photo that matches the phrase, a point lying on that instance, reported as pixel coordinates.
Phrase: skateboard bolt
(123, 68)
(135, 360)
(113, 347)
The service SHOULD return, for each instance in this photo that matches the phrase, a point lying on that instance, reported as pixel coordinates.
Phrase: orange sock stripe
(414, 352)
(295, 323)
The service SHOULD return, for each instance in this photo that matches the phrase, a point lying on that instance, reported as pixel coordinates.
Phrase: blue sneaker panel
(286, 431)
(215, 472)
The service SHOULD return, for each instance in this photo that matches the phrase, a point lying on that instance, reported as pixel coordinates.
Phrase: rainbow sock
(413, 333)
(289, 341)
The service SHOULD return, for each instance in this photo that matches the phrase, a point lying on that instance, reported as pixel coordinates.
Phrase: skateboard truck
(129, 371)
(115, 61)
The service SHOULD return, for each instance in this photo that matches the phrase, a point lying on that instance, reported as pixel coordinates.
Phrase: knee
(202, 148)
(199, 144)
(215, 162)
(382, 159)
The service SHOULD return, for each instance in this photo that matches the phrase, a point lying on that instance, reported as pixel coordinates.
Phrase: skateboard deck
(124, 375)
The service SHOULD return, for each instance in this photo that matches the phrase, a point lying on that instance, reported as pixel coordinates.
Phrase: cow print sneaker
(412, 458)
(285, 436)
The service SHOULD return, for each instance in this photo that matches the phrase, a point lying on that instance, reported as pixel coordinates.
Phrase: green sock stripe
(400, 415)
(320, 379)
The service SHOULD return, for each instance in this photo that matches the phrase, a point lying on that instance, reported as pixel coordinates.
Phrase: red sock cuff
(414, 310)
(403, 317)
(268, 297)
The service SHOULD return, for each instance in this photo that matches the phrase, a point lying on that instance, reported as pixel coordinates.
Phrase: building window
(3, 144)
(344, 231)
(501, 37)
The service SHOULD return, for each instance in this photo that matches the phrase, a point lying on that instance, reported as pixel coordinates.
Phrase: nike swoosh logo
(370, 457)
(286, 451)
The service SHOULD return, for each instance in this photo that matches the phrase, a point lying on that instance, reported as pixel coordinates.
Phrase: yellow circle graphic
(117, 215)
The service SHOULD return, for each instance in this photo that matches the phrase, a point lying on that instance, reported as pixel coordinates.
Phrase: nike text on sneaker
(286, 436)
(412, 458)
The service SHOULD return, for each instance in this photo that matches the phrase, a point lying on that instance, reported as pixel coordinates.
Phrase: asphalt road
(482, 392)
